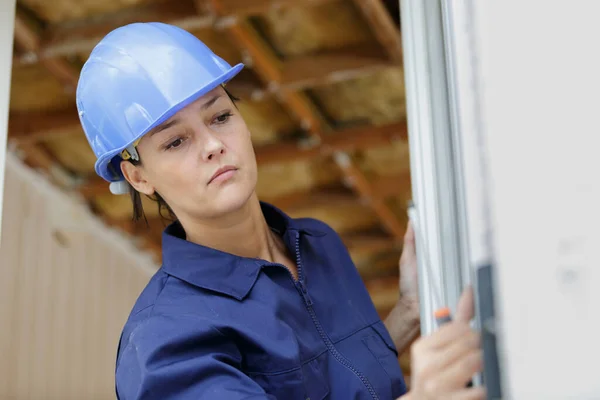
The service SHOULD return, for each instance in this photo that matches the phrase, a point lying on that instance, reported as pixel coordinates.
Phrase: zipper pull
(304, 294)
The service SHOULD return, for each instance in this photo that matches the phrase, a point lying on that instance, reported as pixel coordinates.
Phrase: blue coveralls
(211, 325)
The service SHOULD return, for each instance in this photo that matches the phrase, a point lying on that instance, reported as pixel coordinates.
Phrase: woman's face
(201, 161)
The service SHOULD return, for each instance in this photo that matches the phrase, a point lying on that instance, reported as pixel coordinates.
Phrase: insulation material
(67, 287)
(64, 10)
(377, 98)
(34, 88)
(282, 179)
(75, 153)
(342, 217)
(299, 30)
(393, 159)
(267, 120)
(223, 48)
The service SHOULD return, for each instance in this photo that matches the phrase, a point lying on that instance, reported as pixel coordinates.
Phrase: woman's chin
(230, 201)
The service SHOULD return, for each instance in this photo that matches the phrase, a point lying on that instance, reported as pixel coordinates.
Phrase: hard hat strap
(130, 152)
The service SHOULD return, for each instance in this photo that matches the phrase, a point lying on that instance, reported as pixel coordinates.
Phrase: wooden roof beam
(81, 36)
(365, 190)
(332, 66)
(29, 41)
(300, 73)
(256, 7)
(342, 140)
(269, 69)
(383, 26)
(36, 126)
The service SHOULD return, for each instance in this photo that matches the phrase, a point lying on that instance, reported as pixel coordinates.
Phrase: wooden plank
(29, 41)
(269, 68)
(342, 140)
(37, 157)
(26, 127)
(256, 7)
(387, 186)
(81, 36)
(383, 26)
(25, 37)
(332, 66)
(364, 189)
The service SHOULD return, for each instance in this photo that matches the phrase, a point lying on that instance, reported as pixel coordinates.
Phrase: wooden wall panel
(66, 288)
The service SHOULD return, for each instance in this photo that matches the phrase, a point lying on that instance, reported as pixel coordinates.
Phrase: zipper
(308, 302)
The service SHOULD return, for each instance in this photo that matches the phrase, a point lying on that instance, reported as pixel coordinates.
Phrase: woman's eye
(221, 119)
(175, 143)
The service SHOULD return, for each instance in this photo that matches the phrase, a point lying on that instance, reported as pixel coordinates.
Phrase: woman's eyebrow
(211, 101)
(164, 125)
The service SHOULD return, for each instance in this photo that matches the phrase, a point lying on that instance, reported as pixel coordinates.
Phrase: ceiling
(323, 95)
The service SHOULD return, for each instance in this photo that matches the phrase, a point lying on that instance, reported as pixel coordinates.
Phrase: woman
(249, 303)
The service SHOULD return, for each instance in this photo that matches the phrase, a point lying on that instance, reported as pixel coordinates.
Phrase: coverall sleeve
(182, 358)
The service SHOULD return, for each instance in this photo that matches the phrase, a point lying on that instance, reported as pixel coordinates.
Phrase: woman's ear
(135, 176)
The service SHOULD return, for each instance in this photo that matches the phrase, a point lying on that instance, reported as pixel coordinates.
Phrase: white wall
(7, 21)
(67, 285)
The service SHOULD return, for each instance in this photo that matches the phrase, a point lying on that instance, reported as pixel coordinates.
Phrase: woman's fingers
(460, 372)
(456, 350)
(445, 361)
(475, 393)
(445, 371)
(465, 310)
(445, 335)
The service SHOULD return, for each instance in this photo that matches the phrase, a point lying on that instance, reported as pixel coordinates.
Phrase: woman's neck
(244, 234)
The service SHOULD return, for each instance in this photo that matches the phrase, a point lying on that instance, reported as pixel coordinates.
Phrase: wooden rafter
(365, 189)
(38, 126)
(29, 41)
(383, 27)
(243, 8)
(344, 140)
(269, 69)
(330, 67)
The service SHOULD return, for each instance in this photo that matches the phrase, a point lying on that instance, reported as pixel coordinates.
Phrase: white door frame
(7, 22)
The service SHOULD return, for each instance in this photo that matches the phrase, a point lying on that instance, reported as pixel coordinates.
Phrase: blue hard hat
(137, 77)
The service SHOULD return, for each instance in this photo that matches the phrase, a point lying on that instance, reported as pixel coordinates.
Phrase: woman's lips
(223, 174)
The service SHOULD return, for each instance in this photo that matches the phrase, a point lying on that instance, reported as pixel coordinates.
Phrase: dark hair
(163, 208)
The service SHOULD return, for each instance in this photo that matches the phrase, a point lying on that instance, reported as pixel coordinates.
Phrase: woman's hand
(409, 287)
(444, 362)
